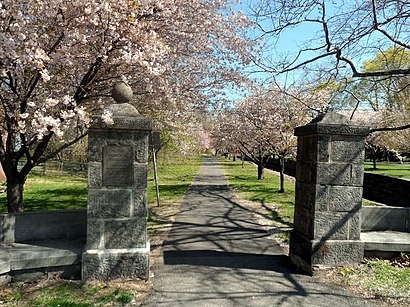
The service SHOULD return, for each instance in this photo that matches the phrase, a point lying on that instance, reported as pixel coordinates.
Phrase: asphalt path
(217, 255)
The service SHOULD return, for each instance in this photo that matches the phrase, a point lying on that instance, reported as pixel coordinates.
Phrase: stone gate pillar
(329, 180)
(117, 244)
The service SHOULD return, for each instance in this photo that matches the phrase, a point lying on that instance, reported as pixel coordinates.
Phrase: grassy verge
(67, 293)
(386, 280)
(174, 178)
(389, 168)
(243, 181)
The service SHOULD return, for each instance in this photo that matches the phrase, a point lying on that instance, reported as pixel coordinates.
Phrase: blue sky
(291, 41)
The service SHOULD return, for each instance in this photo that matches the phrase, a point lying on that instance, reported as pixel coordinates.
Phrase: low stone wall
(290, 166)
(34, 244)
(383, 189)
(43, 225)
(386, 190)
(385, 218)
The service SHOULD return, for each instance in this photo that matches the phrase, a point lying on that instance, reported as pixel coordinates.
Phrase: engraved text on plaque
(118, 166)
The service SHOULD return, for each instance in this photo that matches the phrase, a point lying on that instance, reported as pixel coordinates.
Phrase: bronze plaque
(118, 166)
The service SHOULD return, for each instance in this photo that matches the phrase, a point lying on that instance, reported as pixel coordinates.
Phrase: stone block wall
(385, 219)
(55, 225)
(329, 178)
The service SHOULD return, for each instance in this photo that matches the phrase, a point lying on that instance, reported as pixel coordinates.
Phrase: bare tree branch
(66, 145)
(390, 128)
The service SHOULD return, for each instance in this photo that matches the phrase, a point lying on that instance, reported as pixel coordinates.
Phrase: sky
(290, 41)
(287, 44)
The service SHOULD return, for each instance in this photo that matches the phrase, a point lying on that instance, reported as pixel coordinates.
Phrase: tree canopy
(60, 59)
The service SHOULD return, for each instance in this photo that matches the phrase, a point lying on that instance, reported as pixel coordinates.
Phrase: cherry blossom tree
(398, 140)
(290, 115)
(375, 145)
(247, 127)
(223, 132)
(60, 59)
(261, 126)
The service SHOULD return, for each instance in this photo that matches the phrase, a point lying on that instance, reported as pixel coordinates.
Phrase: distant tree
(380, 93)
(375, 145)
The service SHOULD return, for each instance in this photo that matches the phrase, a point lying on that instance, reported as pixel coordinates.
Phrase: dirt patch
(336, 277)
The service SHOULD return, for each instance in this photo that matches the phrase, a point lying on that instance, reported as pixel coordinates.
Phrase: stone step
(33, 255)
(381, 243)
(28, 256)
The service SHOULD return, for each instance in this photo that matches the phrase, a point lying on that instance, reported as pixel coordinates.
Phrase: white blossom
(107, 117)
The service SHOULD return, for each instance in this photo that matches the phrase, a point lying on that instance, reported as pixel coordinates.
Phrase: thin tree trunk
(374, 163)
(282, 175)
(243, 160)
(260, 171)
(234, 158)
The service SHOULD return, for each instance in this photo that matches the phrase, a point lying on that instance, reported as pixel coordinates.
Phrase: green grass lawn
(68, 294)
(244, 182)
(174, 178)
(52, 193)
(389, 168)
(387, 280)
(70, 191)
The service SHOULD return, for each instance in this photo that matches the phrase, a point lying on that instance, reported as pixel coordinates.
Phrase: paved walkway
(216, 255)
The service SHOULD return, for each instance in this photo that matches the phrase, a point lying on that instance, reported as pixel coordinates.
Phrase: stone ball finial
(122, 92)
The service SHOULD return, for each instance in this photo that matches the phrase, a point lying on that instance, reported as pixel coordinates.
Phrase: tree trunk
(15, 195)
(282, 175)
(234, 158)
(374, 163)
(243, 160)
(260, 171)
